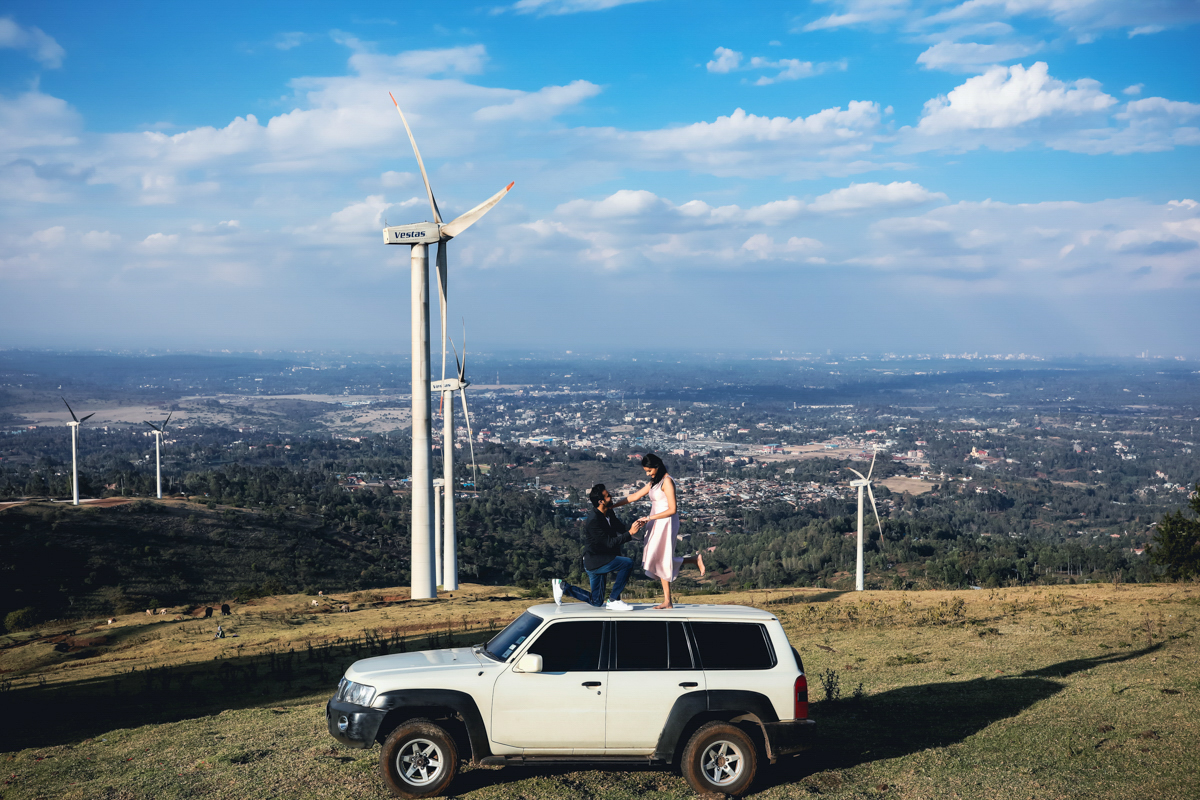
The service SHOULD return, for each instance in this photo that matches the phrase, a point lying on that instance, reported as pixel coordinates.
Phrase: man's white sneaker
(618, 605)
(556, 584)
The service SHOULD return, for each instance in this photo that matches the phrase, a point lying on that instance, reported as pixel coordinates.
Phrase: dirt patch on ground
(907, 485)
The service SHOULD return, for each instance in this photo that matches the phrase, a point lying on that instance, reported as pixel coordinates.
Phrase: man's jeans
(619, 568)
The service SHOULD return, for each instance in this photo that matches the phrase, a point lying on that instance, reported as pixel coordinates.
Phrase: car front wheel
(720, 758)
(419, 759)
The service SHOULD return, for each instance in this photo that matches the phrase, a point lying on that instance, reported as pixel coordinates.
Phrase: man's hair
(596, 494)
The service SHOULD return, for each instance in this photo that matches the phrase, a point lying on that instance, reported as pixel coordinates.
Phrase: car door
(651, 667)
(561, 708)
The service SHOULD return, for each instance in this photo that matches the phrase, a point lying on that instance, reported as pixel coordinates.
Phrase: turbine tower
(74, 425)
(419, 236)
(159, 431)
(860, 485)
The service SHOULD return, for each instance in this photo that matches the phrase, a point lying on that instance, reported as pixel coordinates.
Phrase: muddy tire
(720, 759)
(419, 759)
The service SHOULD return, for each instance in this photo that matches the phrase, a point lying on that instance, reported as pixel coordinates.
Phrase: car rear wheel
(720, 758)
(419, 759)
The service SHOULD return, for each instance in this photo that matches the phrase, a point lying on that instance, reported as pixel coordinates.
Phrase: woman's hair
(655, 463)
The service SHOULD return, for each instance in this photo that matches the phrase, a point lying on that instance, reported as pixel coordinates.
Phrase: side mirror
(530, 662)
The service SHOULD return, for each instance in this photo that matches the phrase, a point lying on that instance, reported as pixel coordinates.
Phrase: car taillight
(801, 708)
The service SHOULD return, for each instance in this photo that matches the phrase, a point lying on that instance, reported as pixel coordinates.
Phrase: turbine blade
(457, 363)
(68, 405)
(460, 224)
(462, 368)
(856, 472)
(151, 424)
(872, 469)
(437, 217)
(443, 288)
(165, 421)
(89, 416)
(876, 510)
(470, 438)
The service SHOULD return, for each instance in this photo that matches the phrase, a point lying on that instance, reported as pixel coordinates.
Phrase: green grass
(1087, 691)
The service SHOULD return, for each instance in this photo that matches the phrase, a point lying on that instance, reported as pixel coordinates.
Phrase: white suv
(704, 688)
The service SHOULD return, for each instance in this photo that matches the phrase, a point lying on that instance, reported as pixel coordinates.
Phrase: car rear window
(570, 646)
(733, 645)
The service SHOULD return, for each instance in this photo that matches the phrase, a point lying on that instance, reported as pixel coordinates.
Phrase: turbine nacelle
(449, 385)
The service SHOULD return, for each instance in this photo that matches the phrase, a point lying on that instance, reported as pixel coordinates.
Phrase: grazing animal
(345, 606)
(149, 613)
(320, 594)
(312, 602)
(162, 612)
(208, 612)
(111, 620)
(225, 612)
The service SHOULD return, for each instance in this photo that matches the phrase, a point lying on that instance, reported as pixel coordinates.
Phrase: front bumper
(787, 737)
(360, 722)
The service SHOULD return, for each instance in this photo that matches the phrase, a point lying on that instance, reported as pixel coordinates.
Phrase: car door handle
(689, 684)
(591, 683)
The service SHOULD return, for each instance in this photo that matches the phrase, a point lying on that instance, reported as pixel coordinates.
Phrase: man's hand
(635, 527)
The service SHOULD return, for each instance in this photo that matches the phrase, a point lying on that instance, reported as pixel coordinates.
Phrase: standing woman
(658, 558)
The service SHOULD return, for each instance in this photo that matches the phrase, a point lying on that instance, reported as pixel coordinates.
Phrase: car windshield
(505, 643)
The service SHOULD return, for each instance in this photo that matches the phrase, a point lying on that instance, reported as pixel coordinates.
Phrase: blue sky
(882, 175)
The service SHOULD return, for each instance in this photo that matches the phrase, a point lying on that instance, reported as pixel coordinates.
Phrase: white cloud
(834, 141)
(40, 46)
(860, 196)
(1006, 97)
(547, 102)
(548, 8)
(467, 60)
(860, 12)
(1086, 18)
(787, 69)
(972, 56)
(100, 240)
(726, 60)
(1135, 90)
(1145, 30)
(289, 40)
(36, 120)
(160, 242)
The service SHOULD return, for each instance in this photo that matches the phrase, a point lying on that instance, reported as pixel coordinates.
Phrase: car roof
(646, 611)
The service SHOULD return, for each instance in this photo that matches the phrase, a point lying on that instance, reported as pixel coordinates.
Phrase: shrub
(20, 619)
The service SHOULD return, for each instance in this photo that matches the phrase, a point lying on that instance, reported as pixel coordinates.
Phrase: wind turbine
(860, 484)
(447, 567)
(419, 236)
(159, 431)
(74, 425)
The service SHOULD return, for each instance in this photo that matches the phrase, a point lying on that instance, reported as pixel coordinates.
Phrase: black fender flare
(461, 703)
(728, 704)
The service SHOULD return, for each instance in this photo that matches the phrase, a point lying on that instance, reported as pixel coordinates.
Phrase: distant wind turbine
(74, 425)
(860, 484)
(419, 236)
(159, 432)
(447, 567)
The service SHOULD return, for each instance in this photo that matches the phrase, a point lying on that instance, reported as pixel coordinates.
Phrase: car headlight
(357, 693)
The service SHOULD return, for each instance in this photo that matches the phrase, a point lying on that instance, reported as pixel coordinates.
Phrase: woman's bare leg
(666, 603)
(698, 560)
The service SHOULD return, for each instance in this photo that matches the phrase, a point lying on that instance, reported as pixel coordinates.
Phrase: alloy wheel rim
(722, 762)
(420, 762)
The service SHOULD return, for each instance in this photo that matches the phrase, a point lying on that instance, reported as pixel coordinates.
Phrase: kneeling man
(602, 539)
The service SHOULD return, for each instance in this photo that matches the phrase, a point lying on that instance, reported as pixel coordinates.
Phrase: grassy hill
(1043, 692)
(70, 561)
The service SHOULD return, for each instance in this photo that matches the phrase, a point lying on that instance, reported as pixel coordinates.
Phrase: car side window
(680, 652)
(641, 645)
(733, 645)
(570, 646)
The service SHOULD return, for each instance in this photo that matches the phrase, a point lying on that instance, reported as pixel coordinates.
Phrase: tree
(1176, 544)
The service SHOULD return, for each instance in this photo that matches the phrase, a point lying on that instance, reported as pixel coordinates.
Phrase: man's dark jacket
(602, 539)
